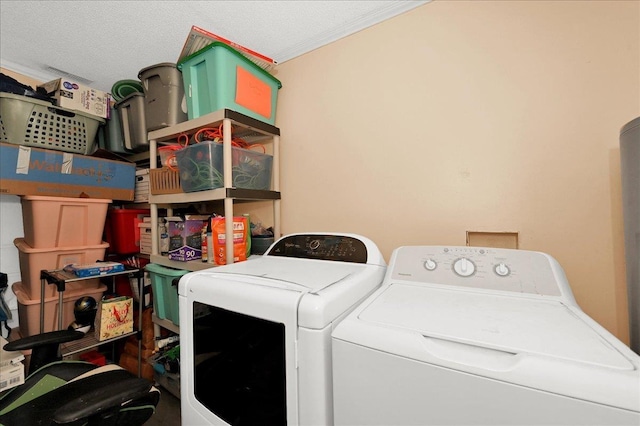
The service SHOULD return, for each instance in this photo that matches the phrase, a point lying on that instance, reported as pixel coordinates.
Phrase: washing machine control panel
(485, 268)
(321, 246)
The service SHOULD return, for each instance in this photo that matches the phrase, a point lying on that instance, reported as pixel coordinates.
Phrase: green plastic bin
(165, 291)
(218, 77)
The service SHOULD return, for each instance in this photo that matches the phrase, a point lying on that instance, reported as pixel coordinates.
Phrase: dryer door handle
(471, 355)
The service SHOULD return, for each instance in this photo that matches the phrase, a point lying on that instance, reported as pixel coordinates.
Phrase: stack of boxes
(127, 237)
(44, 161)
(126, 241)
(58, 231)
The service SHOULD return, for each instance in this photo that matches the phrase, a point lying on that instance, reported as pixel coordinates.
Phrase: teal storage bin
(165, 293)
(201, 167)
(218, 77)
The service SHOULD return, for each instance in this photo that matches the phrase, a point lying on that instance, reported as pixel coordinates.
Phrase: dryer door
(238, 352)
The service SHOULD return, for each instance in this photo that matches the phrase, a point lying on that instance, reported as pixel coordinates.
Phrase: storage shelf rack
(60, 278)
(250, 130)
(247, 128)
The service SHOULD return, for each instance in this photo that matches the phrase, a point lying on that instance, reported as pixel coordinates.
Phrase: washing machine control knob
(430, 265)
(464, 267)
(501, 270)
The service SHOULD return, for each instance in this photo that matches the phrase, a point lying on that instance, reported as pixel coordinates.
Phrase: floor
(167, 412)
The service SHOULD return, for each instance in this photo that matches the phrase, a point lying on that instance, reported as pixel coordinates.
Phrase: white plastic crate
(141, 194)
(145, 237)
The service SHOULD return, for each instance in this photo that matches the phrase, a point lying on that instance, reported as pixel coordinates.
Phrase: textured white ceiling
(107, 41)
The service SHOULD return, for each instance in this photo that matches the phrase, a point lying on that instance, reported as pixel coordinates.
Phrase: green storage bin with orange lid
(218, 77)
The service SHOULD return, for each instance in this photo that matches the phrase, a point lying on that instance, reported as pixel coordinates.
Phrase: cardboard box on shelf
(78, 97)
(145, 237)
(142, 186)
(94, 269)
(8, 358)
(11, 367)
(35, 171)
(12, 376)
(185, 237)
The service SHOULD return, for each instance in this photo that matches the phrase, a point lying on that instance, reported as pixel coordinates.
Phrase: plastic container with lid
(122, 231)
(33, 260)
(201, 167)
(165, 291)
(168, 156)
(29, 309)
(165, 103)
(218, 76)
(111, 135)
(131, 112)
(63, 222)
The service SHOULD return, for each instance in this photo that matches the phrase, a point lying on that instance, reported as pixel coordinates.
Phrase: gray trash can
(165, 102)
(132, 118)
(630, 168)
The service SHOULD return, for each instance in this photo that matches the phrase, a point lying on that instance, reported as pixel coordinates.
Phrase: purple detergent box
(185, 242)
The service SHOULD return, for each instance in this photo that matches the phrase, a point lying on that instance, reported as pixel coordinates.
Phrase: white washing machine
(470, 336)
(256, 335)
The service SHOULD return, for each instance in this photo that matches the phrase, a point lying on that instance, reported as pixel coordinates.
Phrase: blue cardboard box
(94, 269)
(35, 171)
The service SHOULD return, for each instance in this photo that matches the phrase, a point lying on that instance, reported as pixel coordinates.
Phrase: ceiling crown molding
(394, 9)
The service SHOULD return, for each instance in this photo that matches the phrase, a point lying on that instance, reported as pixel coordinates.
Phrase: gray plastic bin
(165, 102)
(630, 168)
(111, 136)
(132, 117)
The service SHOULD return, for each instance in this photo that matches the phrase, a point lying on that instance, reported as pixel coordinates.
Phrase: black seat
(59, 392)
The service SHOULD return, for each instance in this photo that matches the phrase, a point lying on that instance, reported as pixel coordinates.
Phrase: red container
(94, 357)
(122, 231)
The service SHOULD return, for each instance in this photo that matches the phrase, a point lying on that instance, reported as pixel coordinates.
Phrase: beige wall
(472, 115)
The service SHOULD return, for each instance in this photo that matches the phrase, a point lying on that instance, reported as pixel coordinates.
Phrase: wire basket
(164, 181)
(31, 122)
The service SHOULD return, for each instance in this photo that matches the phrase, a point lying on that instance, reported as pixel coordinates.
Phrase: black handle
(63, 112)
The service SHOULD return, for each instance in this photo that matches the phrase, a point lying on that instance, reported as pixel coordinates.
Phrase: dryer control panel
(341, 248)
(518, 271)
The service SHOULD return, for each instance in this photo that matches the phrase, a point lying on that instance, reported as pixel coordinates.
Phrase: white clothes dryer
(470, 336)
(256, 335)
